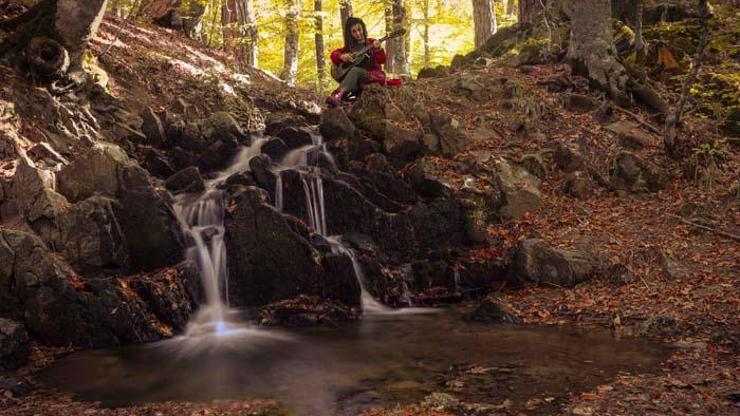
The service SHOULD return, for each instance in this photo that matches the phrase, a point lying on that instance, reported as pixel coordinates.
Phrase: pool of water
(379, 361)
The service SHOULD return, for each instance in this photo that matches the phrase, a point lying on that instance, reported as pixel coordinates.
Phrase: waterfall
(368, 303)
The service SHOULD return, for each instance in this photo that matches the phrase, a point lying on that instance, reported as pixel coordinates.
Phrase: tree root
(704, 227)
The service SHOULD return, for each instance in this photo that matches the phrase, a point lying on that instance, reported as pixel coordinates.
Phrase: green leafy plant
(708, 159)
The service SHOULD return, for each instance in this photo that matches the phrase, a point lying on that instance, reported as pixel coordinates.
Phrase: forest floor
(667, 273)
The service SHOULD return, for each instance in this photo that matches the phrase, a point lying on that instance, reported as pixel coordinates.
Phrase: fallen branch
(704, 227)
(639, 120)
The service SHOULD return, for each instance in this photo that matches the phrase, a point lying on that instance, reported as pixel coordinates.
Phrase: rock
(336, 124)
(152, 128)
(533, 163)
(180, 106)
(579, 185)
(13, 344)
(535, 262)
(278, 121)
(634, 174)
(18, 387)
(157, 164)
(520, 189)
(305, 311)
(94, 172)
(181, 158)
(480, 208)
(580, 103)
(187, 180)
(295, 137)
(567, 157)
(275, 148)
(484, 274)
(191, 138)
(261, 167)
(471, 87)
(493, 311)
(221, 126)
(153, 235)
(90, 237)
(269, 262)
(630, 134)
(422, 176)
(368, 112)
(401, 143)
(659, 326)
(437, 72)
(33, 193)
(452, 136)
(439, 223)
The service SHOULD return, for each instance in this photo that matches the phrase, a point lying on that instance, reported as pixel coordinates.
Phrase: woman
(370, 71)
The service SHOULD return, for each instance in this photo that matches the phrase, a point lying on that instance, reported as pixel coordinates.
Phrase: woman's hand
(376, 44)
(345, 57)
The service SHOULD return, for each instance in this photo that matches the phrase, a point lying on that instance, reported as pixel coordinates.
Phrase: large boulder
(13, 344)
(335, 124)
(520, 189)
(152, 128)
(535, 262)
(402, 144)
(269, 261)
(34, 195)
(94, 172)
(90, 237)
(187, 180)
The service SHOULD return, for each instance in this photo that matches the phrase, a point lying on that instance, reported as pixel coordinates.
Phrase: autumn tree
(292, 37)
(398, 47)
(484, 20)
(318, 9)
(345, 11)
(240, 31)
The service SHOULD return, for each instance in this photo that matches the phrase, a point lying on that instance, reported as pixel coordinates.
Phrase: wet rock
(275, 148)
(172, 294)
(191, 138)
(33, 193)
(659, 326)
(336, 124)
(152, 233)
(567, 157)
(13, 344)
(94, 172)
(152, 128)
(520, 189)
(181, 158)
(187, 180)
(439, 223)
(261, 167)
(535, 262)
(483, 275)
(579, 185)
(493, 311)
(402, 144)
(91, 238)
(429, 274)
(221, 126)
(633, 174)
(305, 311)
(278, 121)
(269, 262)
(241, 178)
(295, 137)
(580, 103)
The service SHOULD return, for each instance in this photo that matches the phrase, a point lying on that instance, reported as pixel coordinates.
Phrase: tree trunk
(290, 62)
(592, 52)
(484, 21)
(528, 9)
(640, 54)
(425, 36)
(345, 11)
(318, 8)
(510, 8)
(397, 47)
(72, 23)
(239, 32)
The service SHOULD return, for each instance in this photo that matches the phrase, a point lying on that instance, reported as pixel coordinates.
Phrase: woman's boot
(335, 99)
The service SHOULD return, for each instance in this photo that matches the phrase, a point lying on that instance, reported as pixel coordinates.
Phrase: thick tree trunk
(72, 23)
(345, 11)
(484, 21)
(397, 48)
(318, 8)
(592, 52)
(528, 9)
(240, 32)
(640, 53)
(290, 62)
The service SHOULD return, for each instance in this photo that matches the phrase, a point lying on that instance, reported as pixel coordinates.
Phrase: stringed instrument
(338, 72)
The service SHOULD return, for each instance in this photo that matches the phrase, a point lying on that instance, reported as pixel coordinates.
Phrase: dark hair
(349, 41)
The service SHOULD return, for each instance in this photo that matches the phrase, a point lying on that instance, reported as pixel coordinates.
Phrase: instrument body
(340, 71)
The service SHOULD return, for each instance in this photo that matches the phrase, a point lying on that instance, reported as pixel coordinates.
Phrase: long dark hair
(349, 41)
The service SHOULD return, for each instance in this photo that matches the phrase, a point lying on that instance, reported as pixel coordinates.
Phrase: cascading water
(368, 303)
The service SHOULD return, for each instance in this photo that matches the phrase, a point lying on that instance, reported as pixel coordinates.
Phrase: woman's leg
(354, 79)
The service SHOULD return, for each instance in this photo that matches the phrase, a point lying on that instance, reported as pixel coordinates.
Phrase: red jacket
(374, 69)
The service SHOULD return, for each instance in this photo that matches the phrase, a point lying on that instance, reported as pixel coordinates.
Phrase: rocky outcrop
(34, 195)
(259, 241)
(535, 262)
(633, 174)
(187, 180)
(96, 171)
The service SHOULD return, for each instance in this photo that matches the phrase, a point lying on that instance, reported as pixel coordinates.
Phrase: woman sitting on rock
(368, 72)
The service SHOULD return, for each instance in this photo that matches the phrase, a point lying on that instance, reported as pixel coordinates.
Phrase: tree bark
(290, 61)
(318, 8)
(528, 9)
(592, 52)
(640, 53)
(345, 11)
(239, 32)
(397, 49)
(484, 21)
(425, 36)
